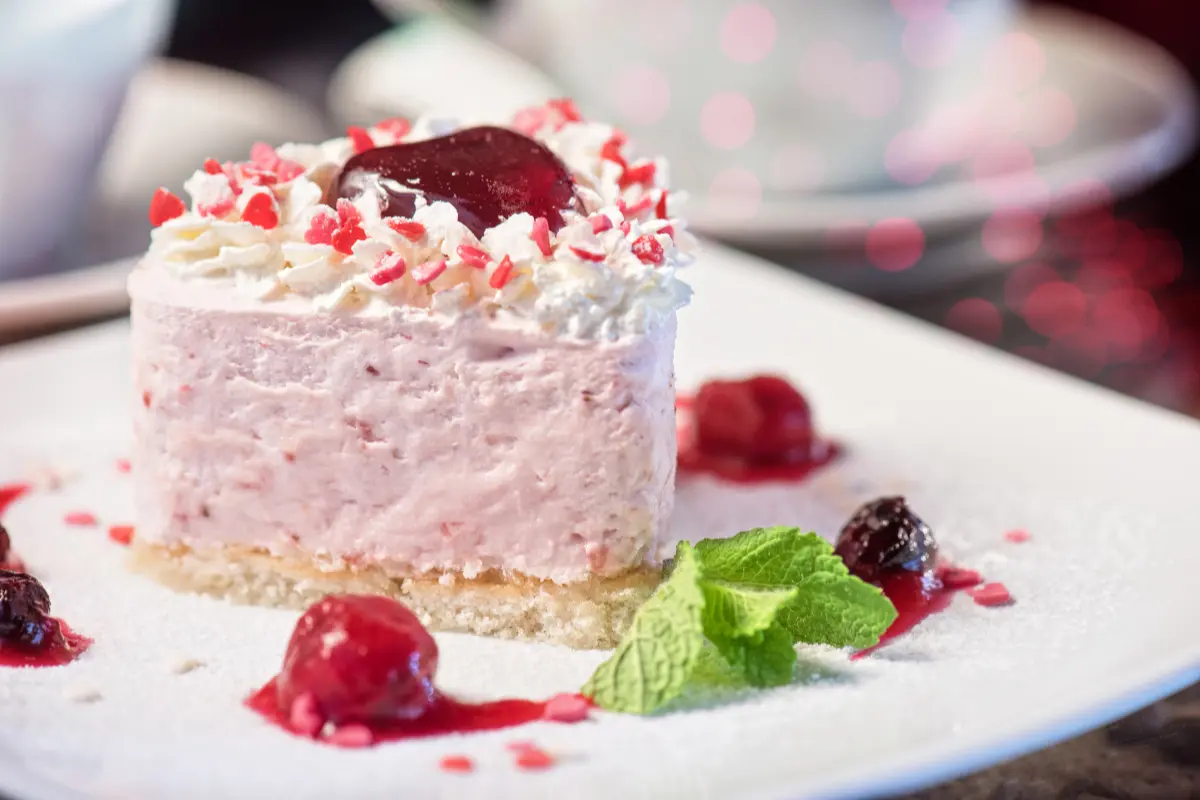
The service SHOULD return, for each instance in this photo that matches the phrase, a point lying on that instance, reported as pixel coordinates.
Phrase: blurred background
(1022, 173)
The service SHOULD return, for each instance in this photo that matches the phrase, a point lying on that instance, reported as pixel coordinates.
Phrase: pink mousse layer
(419, 443)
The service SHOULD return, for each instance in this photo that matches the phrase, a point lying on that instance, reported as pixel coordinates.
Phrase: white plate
(1105, 618)
(1135, 120)
(176, 114)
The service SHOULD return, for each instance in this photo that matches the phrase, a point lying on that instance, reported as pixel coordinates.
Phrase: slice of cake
(427, 361)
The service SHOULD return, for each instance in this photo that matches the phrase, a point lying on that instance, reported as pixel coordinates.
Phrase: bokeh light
(734, 193)
(727, 120)
(1128, 318)
(895, 244)
(1023, 279)
(977, 318)
(664, 25)
(911, 157)
(826, 69)
(1055, 309)
(797, 167)
(931, 43)
(1016, 61)
(1012, 235)
(876, 89)
(1049, 117)
(748, 33)
(919, 9)
(641, 94)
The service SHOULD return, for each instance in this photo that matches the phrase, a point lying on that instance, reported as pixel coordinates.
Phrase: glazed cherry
(885, 538)
(25, 620)
(764, 420)
(488, 174)
(5, 545)
(361, 659)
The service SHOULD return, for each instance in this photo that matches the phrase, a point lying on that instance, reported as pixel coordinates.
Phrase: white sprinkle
(82, 694)
(183, 666)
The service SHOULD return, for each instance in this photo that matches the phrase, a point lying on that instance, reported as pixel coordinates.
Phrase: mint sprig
(750, 598)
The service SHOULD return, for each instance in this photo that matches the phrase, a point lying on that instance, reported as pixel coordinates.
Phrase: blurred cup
(771, 96)
(64, 69)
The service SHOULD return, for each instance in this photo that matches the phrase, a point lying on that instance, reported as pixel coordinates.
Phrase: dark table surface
(1137, 266)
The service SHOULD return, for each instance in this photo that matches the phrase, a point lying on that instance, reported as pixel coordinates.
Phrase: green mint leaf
(655, 659)
(765, 659)
(732, 609)
(831, 606)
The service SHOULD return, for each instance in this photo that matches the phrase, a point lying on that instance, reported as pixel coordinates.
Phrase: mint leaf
(740, 621)
(655, 659)
(831, 606)
(765, 659)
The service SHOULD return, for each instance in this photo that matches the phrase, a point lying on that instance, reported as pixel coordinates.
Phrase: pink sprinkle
(263, 156)
(648, 250)
(124, 465)
(601, 223)
(501, 274)
(389, 268)
(460, 764)
(992, 594)
(80, 518)
(217, 209)
(413, 231)
(321, 229)
(289, 170)
(958, 577)
(1017, 536)
(426, 273)
(348, 213)
(520, 746)
(541, 236)
(396, 126)
(586, 255)
(640, 173)
(360, 139)
(261, 211)
(121, 534)
(305, 718)
(567, 708)
(534, 758)
(530, 120)
(625, 226)
(473, 256)
(351, 736)
(566, 108)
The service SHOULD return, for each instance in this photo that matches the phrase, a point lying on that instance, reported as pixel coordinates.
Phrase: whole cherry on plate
(25, 621)
(359, 659)
(885, 537)
(764, 420)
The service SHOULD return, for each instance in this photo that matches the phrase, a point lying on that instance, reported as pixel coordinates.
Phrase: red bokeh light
(1013, 235)
(895, 244)
(911, 158)
(977, 318)
(1055, 309)
(727, 120)
(1017, 61)
(1024, 279)
(1049, 117)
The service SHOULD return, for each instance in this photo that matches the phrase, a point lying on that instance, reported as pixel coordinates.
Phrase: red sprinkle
(321, 229)
(81, 519)
(457, 764)
(344, 238)
(213, 167)
(413, 231)
(529, 120)
(348, 213)
(566, 108)
(992, 594)
(473, 256)
(648, 250)
(640, 173)
(637, 208)
(534, 758)
(390, 267)
(124, 465)
(1017, 536)
(541, 236)
(586, 255)
(261, 211)
(121, 534)
(601, 223)
(567, 708)
(164, 206)
(611, 150)
(959, 577)
(289, 170)
(625, 226)
(501, 274)
(426, 273)
(660, 210)
(396, 126)
(360, 139)
(147, 398)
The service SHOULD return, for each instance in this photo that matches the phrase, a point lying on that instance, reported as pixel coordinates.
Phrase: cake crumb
(459, 764)
(83, 694)
(183, 666)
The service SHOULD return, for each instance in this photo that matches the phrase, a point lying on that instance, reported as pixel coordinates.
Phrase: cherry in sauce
(748, 431)
(365, 664)
(487, 173)
(29, 636)
(887, 544)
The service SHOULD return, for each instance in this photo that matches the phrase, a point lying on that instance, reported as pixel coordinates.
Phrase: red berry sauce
(29, 636)
(488, 174)
(750, 431)
(365, 663)
(886, 544)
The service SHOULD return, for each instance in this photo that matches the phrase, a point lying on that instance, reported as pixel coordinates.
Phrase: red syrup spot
(460, 764)
(488, 174)
(63, 650)
(29, 636)
(916, 598)
(758, 430)
(361, 668)
(1017, 536)
(534, 758)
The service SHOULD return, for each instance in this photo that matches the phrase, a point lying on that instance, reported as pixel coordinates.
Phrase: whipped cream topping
(609, 271)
